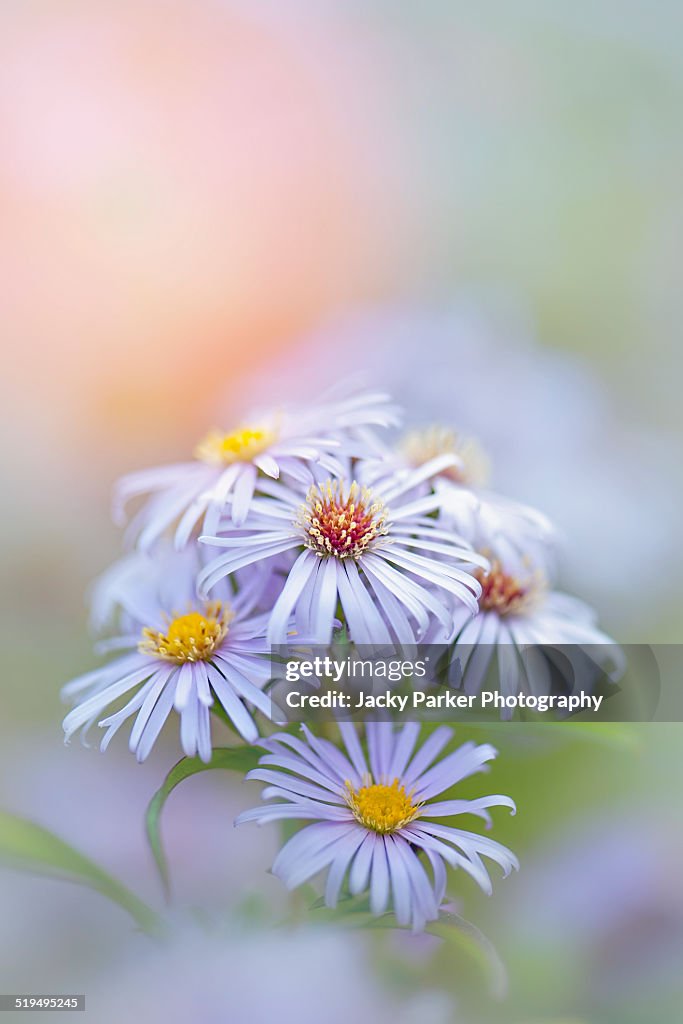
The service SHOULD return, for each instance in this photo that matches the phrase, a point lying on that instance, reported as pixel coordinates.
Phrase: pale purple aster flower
(467, 506)
(375, 551)
(228, 465)
(179, 653)
(371, 817)
(114, 583)
(520, 612)
(468, 464)
(493, 522)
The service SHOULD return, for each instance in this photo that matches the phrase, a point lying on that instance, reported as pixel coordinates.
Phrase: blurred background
(208, 204)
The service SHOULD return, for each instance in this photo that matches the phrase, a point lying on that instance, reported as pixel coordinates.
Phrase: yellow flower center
(242, 445)
(505, 594)
(340, 524)
(380, 807)
(419, 446)
(190, 637)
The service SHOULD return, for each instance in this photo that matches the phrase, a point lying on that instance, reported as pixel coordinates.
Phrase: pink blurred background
(187, 189)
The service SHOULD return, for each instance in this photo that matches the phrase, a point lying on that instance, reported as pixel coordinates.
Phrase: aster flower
(467, 506)
(471, 468)
(229, 465)
(519, 612)
(376, 552)
(178, 653)
(113, 586)
(462, 460)
(372, 817)
(492, 521)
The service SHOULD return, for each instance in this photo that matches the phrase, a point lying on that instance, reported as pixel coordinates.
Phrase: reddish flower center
(341, 524)
(502, 592)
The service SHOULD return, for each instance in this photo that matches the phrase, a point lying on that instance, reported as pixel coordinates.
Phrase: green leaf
(353, 912)
(26, 846)
(346, 904)
(236, 759)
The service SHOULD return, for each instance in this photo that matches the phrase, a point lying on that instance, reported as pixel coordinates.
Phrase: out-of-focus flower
(227, 465)
(494, 522)
(372, 822)
(113, 589)
(469, 465)
(302, 975)
(181, 653)
(364, 548)
(470, 509)
(602, 896)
